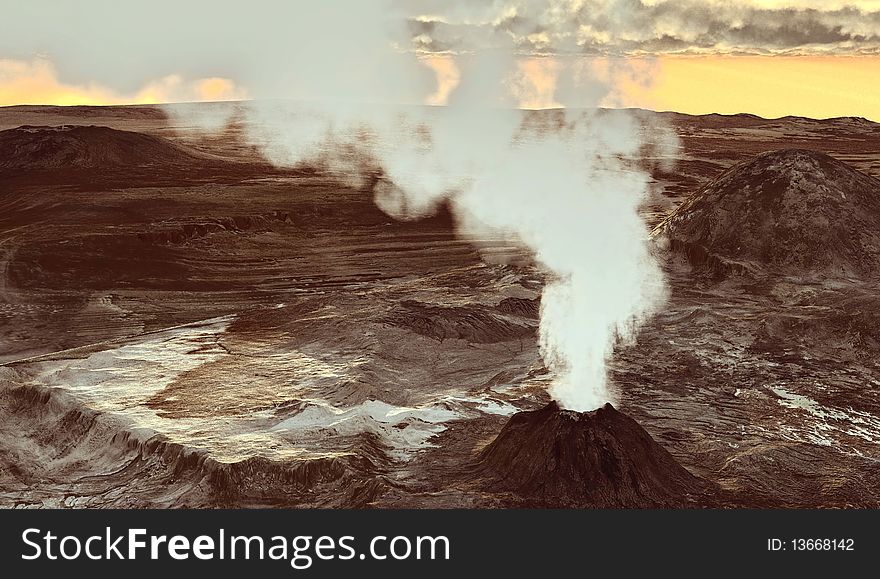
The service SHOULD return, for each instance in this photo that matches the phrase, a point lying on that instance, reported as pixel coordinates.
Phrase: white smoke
(562, 184)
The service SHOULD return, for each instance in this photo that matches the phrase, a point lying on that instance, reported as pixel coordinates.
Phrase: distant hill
(791, 210)
(65, 147)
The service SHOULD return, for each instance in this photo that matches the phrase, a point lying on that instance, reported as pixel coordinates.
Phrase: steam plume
(562, 184)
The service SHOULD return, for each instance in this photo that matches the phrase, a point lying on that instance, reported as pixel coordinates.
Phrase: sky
(766, 57)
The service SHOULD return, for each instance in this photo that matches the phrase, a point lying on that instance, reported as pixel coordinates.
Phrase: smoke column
(561, 184)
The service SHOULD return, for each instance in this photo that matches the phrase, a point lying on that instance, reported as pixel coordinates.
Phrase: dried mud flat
(205, 330)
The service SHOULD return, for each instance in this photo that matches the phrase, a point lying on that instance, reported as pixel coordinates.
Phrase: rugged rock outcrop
(81, 147)
(791, 211)
(473, 323)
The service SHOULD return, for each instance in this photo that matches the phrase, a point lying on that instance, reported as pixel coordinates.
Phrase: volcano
(793, 211)
(604, 459)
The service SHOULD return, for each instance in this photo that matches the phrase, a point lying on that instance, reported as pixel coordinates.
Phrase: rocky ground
(230, 334)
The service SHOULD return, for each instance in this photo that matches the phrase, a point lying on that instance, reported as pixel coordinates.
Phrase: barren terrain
(183, 325)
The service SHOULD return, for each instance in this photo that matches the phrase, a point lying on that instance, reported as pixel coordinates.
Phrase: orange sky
(768, 86)
(37, 82)
(813, 86)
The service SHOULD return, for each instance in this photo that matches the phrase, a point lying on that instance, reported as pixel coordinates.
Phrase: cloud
(37, 82)
(534, 84)
(448, 76)
(635, 27)
(175, 89)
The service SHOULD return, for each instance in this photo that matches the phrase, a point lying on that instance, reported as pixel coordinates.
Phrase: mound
(30, 148)
(561, 458)
(792, 210)
(473, 323)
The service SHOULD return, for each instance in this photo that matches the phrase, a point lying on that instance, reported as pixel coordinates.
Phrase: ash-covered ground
(183, 325)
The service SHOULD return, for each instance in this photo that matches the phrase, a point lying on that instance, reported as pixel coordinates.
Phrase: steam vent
(603, 459)
(792, 210)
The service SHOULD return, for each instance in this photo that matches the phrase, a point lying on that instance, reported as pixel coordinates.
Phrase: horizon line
(548, 109)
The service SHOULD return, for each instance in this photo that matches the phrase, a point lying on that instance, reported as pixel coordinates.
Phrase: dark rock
(474, 324)
(67, 147)
(521, 307)
(603, 458)
(792, 211)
